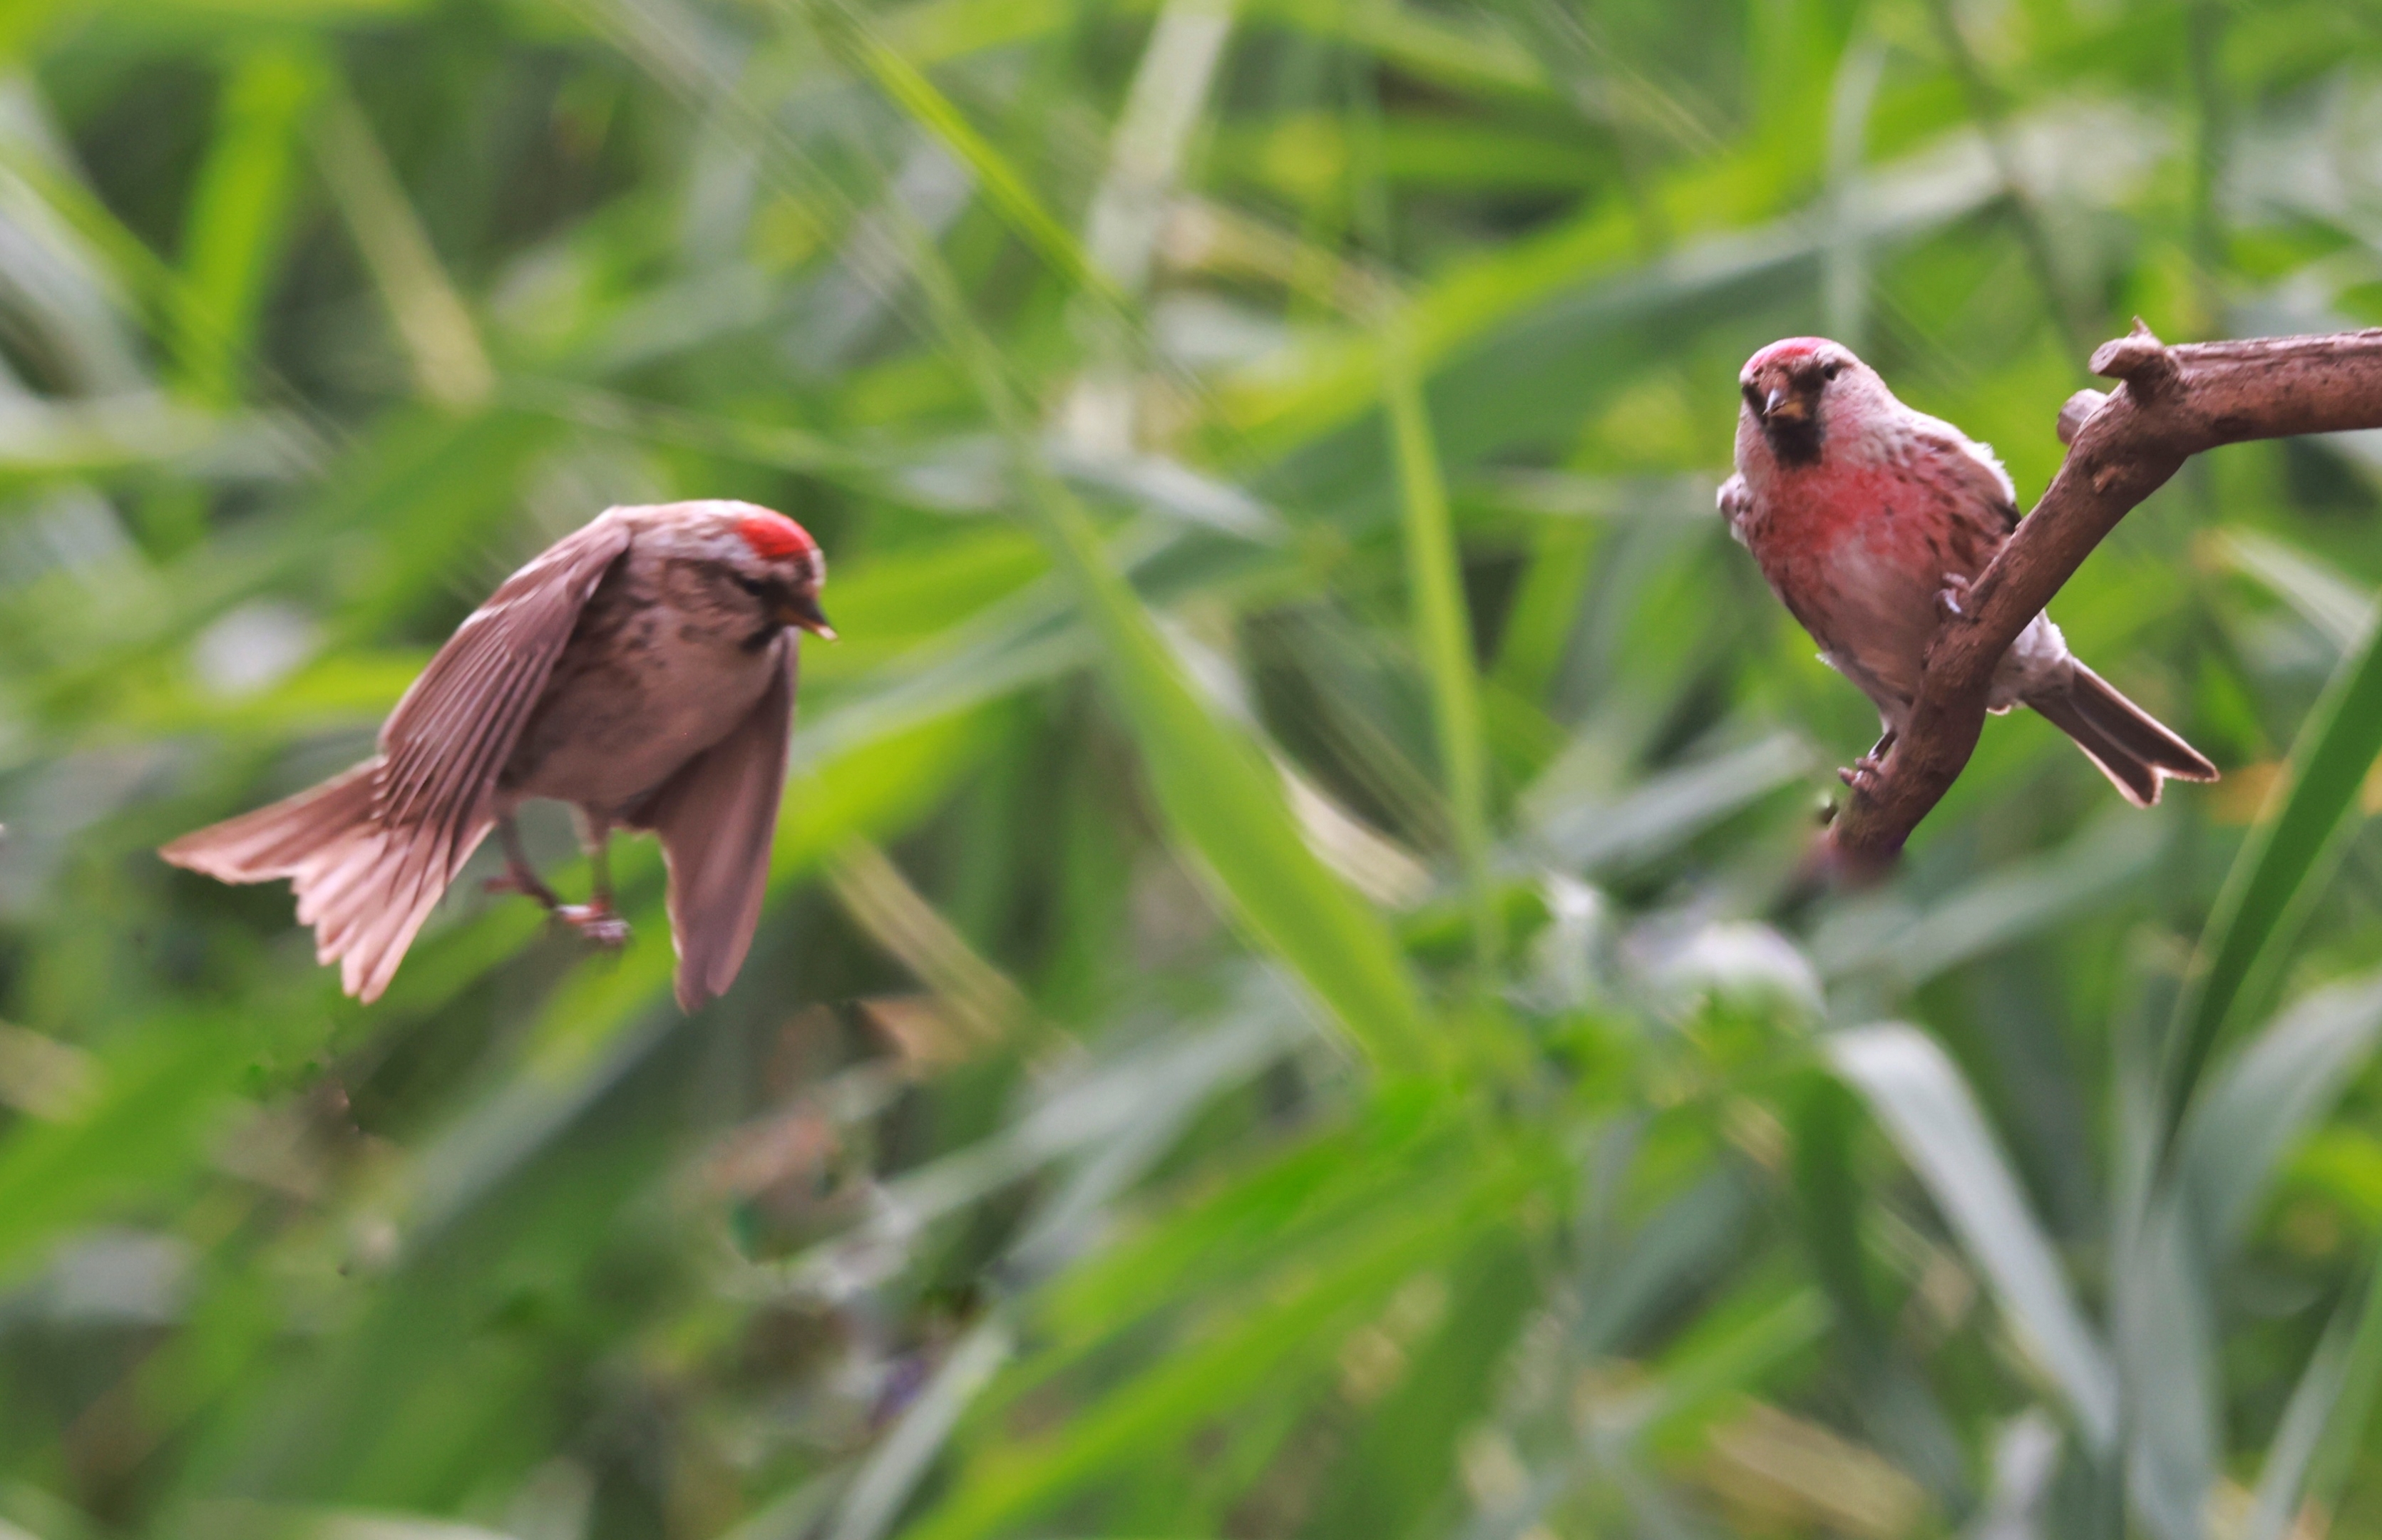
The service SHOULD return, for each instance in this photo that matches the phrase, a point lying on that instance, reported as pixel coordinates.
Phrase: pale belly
(1872, 613)
(604, 736)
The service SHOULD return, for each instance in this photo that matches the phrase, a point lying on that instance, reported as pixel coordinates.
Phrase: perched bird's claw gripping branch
(2170, 404)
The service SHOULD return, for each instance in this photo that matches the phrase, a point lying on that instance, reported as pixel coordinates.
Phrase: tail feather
(273, 842)
(364, 886)
(2134, 750)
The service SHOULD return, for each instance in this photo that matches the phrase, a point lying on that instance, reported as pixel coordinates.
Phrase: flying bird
(1871, 520)
(640, 668)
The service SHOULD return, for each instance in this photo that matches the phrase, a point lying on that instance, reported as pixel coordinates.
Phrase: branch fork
(2170, 403)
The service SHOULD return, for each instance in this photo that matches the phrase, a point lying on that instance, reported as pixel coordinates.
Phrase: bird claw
(1864, 775)
(1955, 590)
(595, 922)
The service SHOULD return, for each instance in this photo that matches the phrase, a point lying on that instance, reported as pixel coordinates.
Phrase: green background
(1283, 1008)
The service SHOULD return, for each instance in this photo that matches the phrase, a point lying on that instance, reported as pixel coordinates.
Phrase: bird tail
(2134, 750)
(364, 886)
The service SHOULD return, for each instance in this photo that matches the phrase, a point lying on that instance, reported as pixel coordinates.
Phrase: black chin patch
(1794, 441)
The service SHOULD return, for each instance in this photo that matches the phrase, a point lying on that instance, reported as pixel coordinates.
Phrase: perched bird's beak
(803, 610)
(1782, 402)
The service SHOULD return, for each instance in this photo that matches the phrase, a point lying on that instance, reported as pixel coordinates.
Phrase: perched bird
(1869, 519)
(642, 670)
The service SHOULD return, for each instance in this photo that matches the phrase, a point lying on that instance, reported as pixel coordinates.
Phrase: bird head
(762, 553)
(1800, 390)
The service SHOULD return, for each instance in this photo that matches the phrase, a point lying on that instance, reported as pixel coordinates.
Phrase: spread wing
(717, 817)
(442, 749)
(451, 735)
(370, 852)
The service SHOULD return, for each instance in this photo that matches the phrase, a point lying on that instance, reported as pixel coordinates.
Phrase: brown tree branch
(2173, 403)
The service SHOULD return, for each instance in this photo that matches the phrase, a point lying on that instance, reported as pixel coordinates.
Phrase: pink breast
(1831, 527)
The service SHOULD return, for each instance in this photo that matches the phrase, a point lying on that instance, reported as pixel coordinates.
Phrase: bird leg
(593, 920)
(1866, 773)
(519, 875)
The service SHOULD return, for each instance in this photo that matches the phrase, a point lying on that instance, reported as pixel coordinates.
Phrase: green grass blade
(131, 1134)
(2319, 594)
(1016, 202)
(1261, 1351)
(2165, 1334)
(441, 342)
(1664, 811)
(2324, 1419)
(2261, 1103)
(1918, 1094)
(233, 235)
(1443, 628)
(2279, 874)
(892, 1470)
(1896, 1406)
(1220, 794)
(2023, 898)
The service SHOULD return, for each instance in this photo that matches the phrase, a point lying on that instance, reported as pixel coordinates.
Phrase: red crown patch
(1786, 348)
(773, 536)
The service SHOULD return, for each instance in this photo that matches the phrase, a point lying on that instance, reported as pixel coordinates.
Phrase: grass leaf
(1924, 1103)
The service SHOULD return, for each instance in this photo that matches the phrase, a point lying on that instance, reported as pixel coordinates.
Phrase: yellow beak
(803, 611)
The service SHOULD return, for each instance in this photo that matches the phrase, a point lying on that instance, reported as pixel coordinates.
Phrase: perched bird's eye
(751, 586)
(1836, 367)
(1752, 396)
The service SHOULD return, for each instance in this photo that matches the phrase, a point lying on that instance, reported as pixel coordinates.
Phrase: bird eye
(1835, 367)
(754, 587)
(1752, 396)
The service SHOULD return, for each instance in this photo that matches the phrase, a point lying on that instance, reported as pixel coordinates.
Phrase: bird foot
(1950, 595)
(596, 922)
(1865, 775)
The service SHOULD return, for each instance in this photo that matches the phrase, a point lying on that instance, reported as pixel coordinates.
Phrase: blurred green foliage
(1284, 1007)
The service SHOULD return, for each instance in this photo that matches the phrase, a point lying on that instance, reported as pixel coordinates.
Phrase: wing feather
(718, 819)
(1736, 500)
(371, 852)
(450, 737)
(1978, 471)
